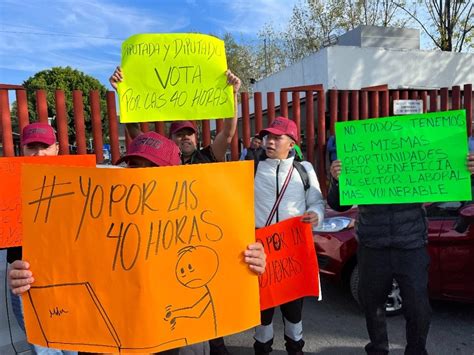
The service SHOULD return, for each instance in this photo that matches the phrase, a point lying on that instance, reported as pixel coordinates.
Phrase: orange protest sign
(292, 268)
(10, 190)
(138, 260)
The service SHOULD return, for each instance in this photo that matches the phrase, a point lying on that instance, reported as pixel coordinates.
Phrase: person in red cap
(37, 139)
(184, 133)
(284, 188)
(151, 149)
(147, 150)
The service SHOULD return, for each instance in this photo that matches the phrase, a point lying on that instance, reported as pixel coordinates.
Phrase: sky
(87, 34)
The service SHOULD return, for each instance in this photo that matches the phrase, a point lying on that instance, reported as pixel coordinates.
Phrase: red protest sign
(11, 229)
(292, 269)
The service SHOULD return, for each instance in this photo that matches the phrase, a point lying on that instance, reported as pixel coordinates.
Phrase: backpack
(296, 164)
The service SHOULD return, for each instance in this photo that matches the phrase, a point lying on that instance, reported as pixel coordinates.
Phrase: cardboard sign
(174, 77)
(292, 270)
(138, 260)
(10, 191)
(403, 159)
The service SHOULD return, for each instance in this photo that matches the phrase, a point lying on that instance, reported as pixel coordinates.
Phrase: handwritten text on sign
(292, 269)
(10, 191)
(144, 259)
(174, 77)
(415, 158)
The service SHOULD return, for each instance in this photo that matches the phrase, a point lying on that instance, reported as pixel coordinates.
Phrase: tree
(450, 23)
(314, 22)
(66, 79)
(270, 54)
(241, 60)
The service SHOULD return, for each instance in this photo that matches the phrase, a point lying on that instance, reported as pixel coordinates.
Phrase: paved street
(336, 326)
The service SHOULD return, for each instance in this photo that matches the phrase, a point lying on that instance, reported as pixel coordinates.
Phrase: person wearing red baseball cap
(37, 139)
(184, 133)
(284, 188)
(151, 149)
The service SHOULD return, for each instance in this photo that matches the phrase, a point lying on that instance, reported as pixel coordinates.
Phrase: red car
(450, 244)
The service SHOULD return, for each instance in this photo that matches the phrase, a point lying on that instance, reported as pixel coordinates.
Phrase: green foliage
(66, 79)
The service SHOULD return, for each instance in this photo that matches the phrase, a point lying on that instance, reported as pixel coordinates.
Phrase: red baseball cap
(279, 126)
(179, 125)
(154, 147)
(38, 133)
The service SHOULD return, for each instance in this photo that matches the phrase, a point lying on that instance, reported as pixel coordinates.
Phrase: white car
(12, 338)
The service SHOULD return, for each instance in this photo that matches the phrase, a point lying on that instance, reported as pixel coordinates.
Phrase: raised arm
(224, 137)
(133, 129)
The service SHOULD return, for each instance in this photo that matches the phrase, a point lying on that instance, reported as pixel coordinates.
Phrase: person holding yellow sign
(184, 134)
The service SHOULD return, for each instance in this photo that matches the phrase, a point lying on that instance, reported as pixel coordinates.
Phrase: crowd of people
(392, 237)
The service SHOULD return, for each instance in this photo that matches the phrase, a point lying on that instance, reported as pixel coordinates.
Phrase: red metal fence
(314, 110)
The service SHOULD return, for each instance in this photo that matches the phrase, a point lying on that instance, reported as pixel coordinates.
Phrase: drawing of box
(71, 314)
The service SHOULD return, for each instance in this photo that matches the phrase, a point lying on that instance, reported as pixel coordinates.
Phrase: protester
(252, 151)
(392, 245)
(147, 150)
(281, 192)
(184, 134)
(38, 140)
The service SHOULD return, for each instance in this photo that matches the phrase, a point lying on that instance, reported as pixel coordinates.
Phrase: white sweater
(295, 201)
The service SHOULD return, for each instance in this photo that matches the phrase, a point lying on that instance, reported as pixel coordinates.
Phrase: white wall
(352, 68)
(311, 70)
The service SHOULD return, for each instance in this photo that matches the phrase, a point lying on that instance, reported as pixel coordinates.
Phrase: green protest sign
(169, 77)
(413, 158)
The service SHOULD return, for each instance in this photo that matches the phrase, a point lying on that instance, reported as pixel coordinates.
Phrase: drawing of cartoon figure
(195, 268)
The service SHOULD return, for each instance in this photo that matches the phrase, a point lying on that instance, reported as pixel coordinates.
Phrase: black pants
(168, 352)
(377, 268)
(217, 347)
(291, 312)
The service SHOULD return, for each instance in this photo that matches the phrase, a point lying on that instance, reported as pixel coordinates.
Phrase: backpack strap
(303, 174)
(257, 158)
(280, 196)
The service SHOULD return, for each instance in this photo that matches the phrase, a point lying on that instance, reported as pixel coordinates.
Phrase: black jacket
(401, 226)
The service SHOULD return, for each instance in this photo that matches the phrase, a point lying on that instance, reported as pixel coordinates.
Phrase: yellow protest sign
(138, 260)
(169, 77)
